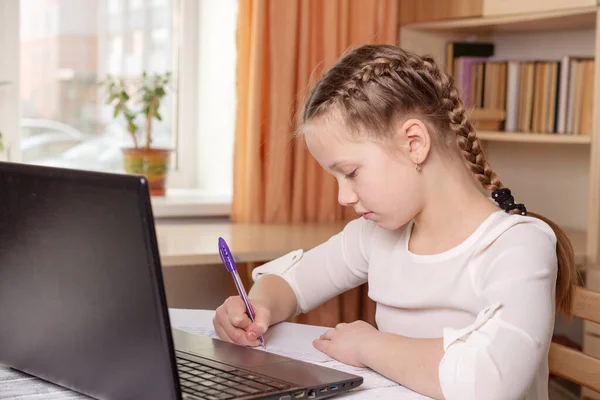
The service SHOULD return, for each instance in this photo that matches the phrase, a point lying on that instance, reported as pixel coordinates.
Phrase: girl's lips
(367, 215)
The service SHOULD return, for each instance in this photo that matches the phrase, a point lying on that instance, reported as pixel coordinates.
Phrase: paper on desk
(286, 339)
(295, 341)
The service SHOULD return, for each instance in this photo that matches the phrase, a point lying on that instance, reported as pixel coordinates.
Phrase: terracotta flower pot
(151, 163)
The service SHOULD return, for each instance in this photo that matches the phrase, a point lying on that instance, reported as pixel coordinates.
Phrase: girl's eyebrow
(336, 165)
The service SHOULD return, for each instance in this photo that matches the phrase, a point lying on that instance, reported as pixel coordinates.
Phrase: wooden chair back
(570, 363)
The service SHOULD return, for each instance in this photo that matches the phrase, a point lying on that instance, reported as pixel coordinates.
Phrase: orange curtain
(283, 46)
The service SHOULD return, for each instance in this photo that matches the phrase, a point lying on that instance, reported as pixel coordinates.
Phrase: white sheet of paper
(286, 339)
(295, 341)
(199, 320)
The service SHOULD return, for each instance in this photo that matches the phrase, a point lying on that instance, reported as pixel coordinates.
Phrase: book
(512, 97)
(463, 77)
(456, 49)
(563, 94)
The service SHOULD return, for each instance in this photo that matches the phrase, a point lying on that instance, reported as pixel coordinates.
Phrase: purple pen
(229, 264)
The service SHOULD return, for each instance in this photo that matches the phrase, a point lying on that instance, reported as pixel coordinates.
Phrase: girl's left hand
(346, 341)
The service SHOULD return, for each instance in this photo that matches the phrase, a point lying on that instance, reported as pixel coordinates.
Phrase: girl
(466, 289)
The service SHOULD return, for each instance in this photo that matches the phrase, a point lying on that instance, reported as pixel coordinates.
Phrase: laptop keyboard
(210, 380)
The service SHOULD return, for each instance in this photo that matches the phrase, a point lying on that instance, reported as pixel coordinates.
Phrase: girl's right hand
(232, 324)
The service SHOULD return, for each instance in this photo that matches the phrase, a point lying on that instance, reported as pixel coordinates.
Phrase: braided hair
(375, 85)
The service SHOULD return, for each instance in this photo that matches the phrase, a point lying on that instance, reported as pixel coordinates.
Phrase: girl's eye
(351, 174)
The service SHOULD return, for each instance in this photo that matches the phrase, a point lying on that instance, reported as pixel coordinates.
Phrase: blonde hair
(374, 85)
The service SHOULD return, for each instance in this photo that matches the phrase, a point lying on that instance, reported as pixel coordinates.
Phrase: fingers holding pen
(231, 322)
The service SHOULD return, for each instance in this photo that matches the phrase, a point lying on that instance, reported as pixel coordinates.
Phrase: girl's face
(375, 177)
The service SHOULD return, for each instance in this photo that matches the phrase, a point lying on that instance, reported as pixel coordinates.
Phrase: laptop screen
(81, 294)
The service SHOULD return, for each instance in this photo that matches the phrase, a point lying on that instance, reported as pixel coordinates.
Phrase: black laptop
(82, 302)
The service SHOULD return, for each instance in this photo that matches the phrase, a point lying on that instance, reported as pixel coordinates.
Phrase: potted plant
(141, 98)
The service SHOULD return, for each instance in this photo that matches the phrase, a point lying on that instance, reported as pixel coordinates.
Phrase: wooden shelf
(522, 137)
(577, 18)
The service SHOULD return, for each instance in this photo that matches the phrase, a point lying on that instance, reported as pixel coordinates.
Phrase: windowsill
(190, 203)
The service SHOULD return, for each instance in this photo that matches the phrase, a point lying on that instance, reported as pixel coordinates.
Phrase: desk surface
(292, 340)
(196, 244)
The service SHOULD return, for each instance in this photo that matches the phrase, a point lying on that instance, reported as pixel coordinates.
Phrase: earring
(418, 167)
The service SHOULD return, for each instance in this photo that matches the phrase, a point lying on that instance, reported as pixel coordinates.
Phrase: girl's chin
(386, 224)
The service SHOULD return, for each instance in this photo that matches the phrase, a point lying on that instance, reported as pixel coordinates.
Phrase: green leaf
(158, 116)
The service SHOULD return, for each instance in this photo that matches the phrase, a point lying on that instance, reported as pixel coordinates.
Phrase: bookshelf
(556, 175)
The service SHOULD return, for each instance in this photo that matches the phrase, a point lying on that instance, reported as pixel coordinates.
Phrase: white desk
(16, 385)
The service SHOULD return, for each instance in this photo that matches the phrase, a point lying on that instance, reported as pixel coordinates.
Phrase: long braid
(469, 143)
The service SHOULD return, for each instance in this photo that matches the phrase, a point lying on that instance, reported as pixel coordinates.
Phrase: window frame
(9, 72)
(185, 58)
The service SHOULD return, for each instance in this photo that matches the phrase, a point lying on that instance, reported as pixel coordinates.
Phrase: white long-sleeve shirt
(491, 298)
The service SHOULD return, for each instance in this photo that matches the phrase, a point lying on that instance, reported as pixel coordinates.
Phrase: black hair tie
(507, 202)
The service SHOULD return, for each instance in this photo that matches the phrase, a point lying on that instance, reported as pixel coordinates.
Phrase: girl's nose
(346, 196)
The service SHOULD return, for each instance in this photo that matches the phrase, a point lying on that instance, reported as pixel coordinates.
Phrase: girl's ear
(417, 140)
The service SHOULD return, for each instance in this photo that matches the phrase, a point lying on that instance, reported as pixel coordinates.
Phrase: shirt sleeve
(333, 267)
(501, 353)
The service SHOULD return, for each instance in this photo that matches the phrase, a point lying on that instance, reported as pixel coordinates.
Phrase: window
(136, 4)
(115, 52)
(114, 6)
(48, 82)
(62, 58)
